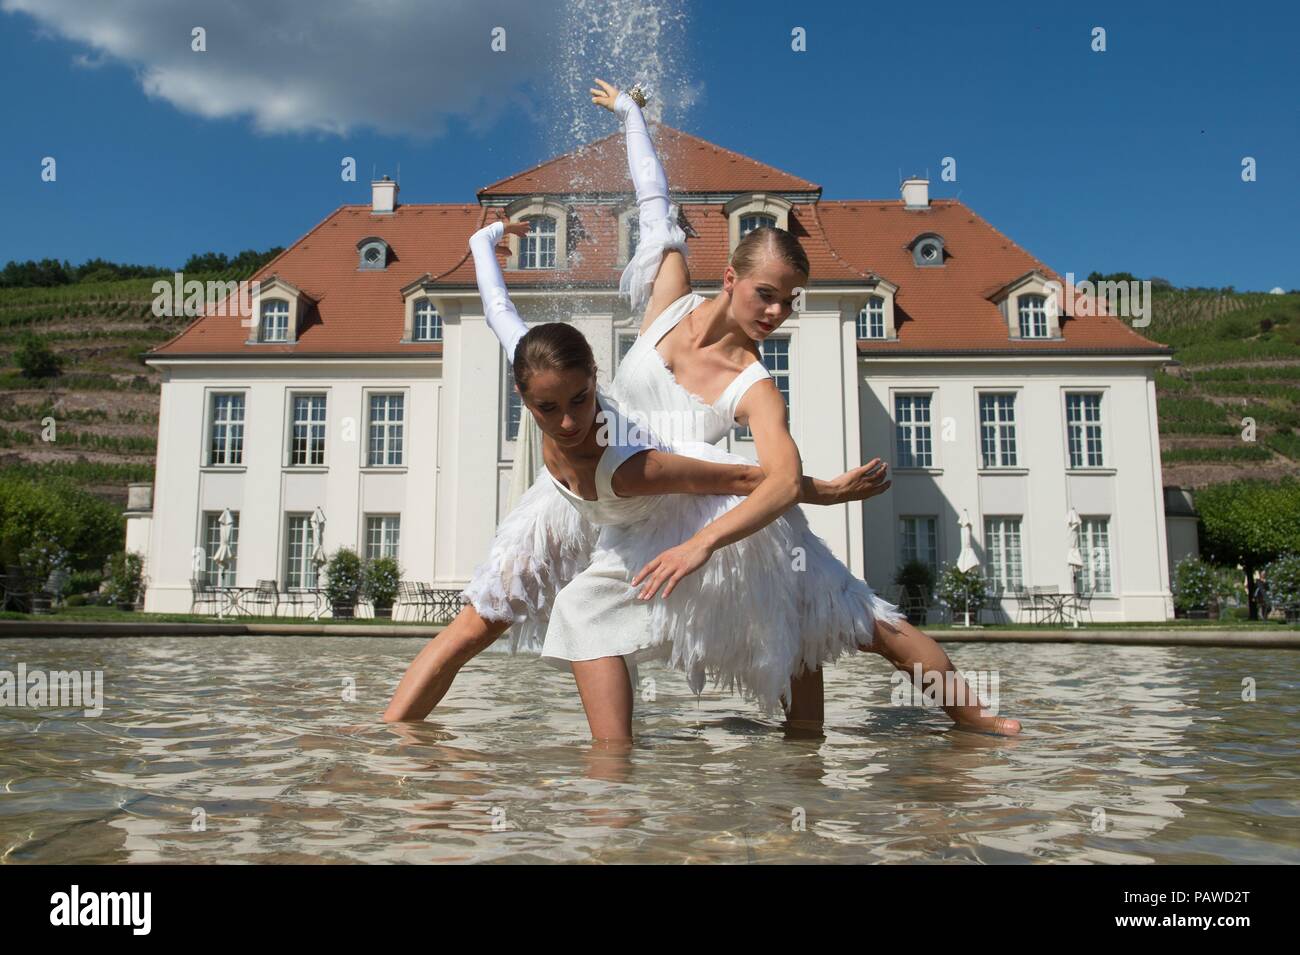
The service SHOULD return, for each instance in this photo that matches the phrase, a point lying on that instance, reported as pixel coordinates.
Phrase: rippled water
(1141, 754)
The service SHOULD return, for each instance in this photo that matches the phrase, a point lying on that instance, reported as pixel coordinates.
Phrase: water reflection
(255, 750)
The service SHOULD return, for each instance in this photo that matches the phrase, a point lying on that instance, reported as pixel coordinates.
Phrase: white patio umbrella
(1073, 557)
(528, 458)
(318, 550)
(223, 552)
(966, 560)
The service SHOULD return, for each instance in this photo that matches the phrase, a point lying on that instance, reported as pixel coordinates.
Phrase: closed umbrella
(318, 550)
(223, 554)
(966, 560)
(1073, 557)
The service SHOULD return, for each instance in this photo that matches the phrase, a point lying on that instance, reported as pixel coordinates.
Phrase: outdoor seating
(1082, 604)
(202, 593)
(412, 595)
(266, 593)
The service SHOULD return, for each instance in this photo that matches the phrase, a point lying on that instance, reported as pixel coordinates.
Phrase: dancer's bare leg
(606, 690)
(429, 676)
(807, 706)
(905, 646)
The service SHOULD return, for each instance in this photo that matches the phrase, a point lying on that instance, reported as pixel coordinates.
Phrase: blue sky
(1124, 160)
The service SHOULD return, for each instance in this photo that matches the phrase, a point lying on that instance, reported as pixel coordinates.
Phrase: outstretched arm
(500, 312)
(660, 472)
(657, 274)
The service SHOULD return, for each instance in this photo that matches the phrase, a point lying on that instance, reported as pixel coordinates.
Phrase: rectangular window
(920, 541)
(625, 343)
(1083, 430)
(219, 575)
(912, 431)
(428, 323)
(1094, 547)
(275, 321)
(776, 358)
(386, 425)
(998, 431)
(301, 569)
(1033, 316)
(537, 248)
(1002, 551)
(383, 532)
(226, 441)
(308, 438)
(514, 405)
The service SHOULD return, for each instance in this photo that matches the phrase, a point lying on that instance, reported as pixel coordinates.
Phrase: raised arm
(500, 312)
(657, 274)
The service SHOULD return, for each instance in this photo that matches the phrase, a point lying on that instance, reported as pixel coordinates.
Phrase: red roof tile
(940, 309)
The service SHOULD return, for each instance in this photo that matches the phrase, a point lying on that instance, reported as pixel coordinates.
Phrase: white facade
(448, 491)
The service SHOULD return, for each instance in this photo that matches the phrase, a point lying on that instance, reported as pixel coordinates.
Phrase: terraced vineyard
(1230, 405)
(1238, 358)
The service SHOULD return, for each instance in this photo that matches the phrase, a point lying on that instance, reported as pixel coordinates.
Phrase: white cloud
(395, 66)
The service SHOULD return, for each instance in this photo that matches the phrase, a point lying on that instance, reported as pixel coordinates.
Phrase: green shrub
(125, 574)
(35, 358)
(960, 591)
(381, 578)
(1284, 582)
(35, 510)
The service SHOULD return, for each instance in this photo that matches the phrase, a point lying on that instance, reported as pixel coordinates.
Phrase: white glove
(658, 217)
(501, 315)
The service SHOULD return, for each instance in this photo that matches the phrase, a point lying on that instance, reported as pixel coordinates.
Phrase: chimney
(916, 193)
(383, 196)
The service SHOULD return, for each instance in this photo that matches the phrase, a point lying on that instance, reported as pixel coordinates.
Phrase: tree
(1250, 523)
(36, 359)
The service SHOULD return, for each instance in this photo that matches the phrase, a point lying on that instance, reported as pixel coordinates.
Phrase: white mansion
(369, 392)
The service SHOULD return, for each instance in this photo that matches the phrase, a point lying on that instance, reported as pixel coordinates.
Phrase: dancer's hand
(518, 228)
(605, 96)
(861, 483)
(671, 566)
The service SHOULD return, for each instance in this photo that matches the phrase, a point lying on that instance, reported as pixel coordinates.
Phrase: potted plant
(1196, 587)
(44, 565)
(343, 582)
(381, 578)
(1284, 585)
(124, 587)
(917, 581)
(962, 592)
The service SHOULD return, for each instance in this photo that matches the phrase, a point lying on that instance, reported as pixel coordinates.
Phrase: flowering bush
(1284, 583)
(125, 580)
(1196, 584)
(381, 577)
(344, 577)
(960, 589)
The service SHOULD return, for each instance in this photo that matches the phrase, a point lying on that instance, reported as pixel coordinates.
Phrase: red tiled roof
(948, 308)
(943, 309)
(693, 166)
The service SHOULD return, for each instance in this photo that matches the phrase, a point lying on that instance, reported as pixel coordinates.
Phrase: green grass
(1189, 415)
(86, 472)
(114, 615)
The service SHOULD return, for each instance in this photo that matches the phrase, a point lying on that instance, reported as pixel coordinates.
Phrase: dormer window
(754, 210)
(537, 248)
(749, 223)
(871, 320)
(374, 253)
(1030, 305)
(633, 236)
(927, 249)
(275, 321)
(1033, 317)
(428, 323)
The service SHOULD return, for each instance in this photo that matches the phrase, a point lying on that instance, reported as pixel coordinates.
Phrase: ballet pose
(713, 353)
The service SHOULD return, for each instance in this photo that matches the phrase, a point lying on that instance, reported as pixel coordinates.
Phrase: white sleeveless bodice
(647, 391)
(625, 438)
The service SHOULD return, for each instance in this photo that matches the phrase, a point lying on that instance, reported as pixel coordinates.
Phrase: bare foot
(994, 725)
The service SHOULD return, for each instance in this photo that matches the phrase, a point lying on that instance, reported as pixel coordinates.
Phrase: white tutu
(758, 612)
(539, 547)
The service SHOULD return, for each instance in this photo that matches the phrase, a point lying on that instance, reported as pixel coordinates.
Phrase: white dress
(761, 609)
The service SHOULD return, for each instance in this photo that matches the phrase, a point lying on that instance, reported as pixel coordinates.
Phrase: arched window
(428, 323)
(537, 248)
(756, 221)
(1033, 316)
(871, 320)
